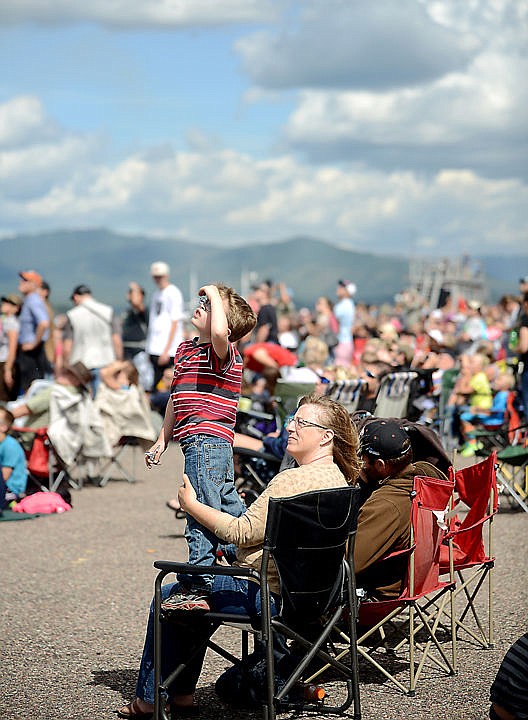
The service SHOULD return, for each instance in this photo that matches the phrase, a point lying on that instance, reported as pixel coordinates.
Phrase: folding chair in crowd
(509, 432)
(512, 472)
(347, 392)
(394, 393)
(476, 495)
(310, 539)
(254, 471)
(46, 471)
(405, 628)
(288, 394)
(137, 447)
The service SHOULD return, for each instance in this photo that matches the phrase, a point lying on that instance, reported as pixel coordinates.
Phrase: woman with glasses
(324, 442)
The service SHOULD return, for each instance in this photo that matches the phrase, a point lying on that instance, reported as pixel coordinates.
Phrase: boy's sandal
(132, 712)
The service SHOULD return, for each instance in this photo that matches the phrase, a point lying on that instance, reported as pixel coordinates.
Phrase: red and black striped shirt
(205, 390)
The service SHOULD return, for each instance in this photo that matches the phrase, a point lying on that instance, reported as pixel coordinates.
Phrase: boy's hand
(186, 494)
(207, 290)
(152, 456)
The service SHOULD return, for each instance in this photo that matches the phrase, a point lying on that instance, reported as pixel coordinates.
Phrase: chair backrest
(36, 449)
(290, 393)
(347, 392)
(307, 536)
(428, 529)
(393, 395)
(476, 487)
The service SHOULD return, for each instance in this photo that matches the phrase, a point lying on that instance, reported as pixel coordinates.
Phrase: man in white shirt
(165, 329)
(92, 334)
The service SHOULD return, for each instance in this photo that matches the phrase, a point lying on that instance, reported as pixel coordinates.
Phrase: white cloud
(23, 120)
(355, 44)
(224, 196)
(136, 13)
(476, 119)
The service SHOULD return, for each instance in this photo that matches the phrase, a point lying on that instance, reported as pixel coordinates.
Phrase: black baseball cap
(383, 438)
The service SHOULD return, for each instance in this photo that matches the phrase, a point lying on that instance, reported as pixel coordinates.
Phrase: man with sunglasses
(384, 520)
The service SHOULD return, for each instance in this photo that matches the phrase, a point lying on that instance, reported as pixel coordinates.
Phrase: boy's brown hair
(240, 317)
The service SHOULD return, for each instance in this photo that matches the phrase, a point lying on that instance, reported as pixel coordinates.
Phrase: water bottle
(313, 693)
(513, 340)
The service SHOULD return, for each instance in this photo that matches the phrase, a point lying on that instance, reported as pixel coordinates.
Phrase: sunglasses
(204, 303)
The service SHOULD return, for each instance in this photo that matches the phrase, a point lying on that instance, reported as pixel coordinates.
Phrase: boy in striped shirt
(200, 415)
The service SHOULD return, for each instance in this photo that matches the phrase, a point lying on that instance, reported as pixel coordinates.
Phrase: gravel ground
(76, 588)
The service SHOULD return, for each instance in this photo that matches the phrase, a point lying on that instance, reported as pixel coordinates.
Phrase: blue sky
(390, 126)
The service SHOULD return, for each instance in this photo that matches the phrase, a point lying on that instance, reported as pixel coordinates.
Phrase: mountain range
(106, 261)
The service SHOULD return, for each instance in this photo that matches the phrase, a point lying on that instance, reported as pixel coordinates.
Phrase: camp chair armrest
(461, 530)
(169, 566)
(256, 414)
(256, 454)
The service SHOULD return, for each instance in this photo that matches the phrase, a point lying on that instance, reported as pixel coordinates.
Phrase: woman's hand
(186, 494)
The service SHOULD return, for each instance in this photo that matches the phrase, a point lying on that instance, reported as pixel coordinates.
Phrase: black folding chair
(310, 539)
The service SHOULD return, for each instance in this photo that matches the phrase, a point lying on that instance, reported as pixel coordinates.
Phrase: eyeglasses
(204, 303)
(302, 423)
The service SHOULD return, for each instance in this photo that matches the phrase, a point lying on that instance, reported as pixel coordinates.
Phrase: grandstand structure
(457, 278)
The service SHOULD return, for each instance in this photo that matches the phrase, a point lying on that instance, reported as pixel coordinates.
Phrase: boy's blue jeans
(209, 466)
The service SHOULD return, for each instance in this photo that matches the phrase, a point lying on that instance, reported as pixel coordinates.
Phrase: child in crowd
(493, 417)
(201, 415)
(13, 468)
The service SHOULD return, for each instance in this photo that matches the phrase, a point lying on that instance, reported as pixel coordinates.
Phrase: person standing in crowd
(266, 329)
(34, 331)
(201, 415)
(523, 352)
(345, 312)
(92, 334)
(49, 345)
(134, 325)
(9, 327)
(165, 326)
(134, 328)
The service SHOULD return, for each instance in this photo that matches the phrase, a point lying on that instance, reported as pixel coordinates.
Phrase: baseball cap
(474, 304)
(159, 269)
(31, 276)
(349, 286)
(80, 290)
(12, 299)
(383, 438)
(523, 280)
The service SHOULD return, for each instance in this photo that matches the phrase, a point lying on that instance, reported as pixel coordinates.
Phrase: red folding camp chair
(476, 490)
(410, 621)
(45, 470)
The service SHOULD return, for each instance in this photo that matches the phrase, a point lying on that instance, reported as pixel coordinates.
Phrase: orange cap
(31, 276)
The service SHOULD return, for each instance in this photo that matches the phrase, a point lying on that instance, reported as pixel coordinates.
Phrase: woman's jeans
(209, 466)
(179, 640)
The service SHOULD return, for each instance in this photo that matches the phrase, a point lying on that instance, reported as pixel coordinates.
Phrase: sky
(391, 126)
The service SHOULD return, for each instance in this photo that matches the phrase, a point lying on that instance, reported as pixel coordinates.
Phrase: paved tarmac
(75, 589)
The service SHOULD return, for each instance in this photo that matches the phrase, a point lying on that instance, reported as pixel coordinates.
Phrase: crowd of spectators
(338, 338)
